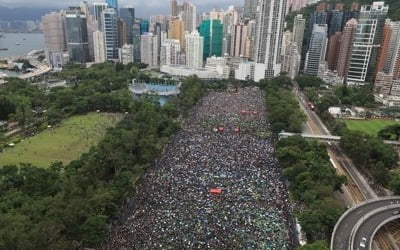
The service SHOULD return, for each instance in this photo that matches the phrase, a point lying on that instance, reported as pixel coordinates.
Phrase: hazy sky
(143, 7)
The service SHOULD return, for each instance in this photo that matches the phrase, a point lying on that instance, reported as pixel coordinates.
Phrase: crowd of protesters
(217, 185)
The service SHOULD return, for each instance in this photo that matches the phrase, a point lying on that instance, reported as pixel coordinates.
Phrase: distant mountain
(22, 13)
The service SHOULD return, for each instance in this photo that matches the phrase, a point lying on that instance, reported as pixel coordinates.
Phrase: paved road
(343, 230)
(371, 225)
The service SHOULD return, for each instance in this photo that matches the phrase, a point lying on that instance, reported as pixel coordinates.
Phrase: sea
(27, 41)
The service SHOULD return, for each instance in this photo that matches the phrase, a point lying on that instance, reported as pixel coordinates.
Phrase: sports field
(65, 143)
(371, 127)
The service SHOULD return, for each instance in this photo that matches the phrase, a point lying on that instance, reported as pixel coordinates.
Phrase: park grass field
(65, 142)
(371, 127)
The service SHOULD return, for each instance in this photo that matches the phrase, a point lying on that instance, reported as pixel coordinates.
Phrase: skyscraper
(384, 48)
(317, 50)
(346, 47)
(148, 50)
(122, 36)
(98, 12)
(99, 49)
(291, 62)
(173, 8)
(250, 9)
(212, 30)
(126, 54)
(112, 4)
(377, 11)
(336, 20)
(128, 16)
(364, 43)
(54, 36)
(298, 31)
(189, 16)
(76, 34)
(333, 51)
(110, 30)
(136, 41)
(271, 19)
(194, 50)
(176, 30)
(319, 16)
(353, 12)
(238, 42)
(170, 52)
(144, 26)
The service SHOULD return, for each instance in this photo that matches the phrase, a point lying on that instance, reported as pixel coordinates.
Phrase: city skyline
(143, 8)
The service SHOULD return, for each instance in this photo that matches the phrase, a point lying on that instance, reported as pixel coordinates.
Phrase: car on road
(363, 242)
(397, 212)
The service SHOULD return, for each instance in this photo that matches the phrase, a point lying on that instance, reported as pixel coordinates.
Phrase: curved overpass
(363, 220)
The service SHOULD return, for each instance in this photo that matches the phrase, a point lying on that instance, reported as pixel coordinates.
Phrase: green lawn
(371, 127)
(65, 142)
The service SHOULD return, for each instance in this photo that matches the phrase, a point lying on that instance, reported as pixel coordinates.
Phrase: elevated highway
(328, 138)
(363, 221)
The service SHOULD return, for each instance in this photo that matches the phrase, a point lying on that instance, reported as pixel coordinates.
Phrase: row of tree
(71, 206)
(305, 165)
(313, 182)
(372, 155)
(283, 107)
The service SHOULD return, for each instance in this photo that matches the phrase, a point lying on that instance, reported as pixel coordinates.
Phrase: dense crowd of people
(216, 186)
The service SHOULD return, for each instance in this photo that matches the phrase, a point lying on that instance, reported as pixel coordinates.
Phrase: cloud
(143, 7)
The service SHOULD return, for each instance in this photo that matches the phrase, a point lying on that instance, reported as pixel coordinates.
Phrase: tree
(317, 245)
(395, 182)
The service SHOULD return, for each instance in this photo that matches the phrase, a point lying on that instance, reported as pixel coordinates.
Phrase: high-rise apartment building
(317, 50)
(128, 16)
(292, 60)
(173, 8)
(126, 54)
(298, 31)
(346, 48)
(189, 16)
(149, 50)
(238, 40)
(122, 35)
(351, 13)
(76, 34)
(54, 37)
(194, 49)
(333, 50)
(250, 9)
(176, 30)
(98, 13)
(99, 49)
(170, 52)
(384, 48)
(110, 31)
(136, 41)
(211, 30)
(268, 44)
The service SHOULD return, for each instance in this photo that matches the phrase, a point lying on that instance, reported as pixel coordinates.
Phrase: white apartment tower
(194, 50)
(149, 50)
(170, 52)
(268, 45)
(99, 49)
(298, 31)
